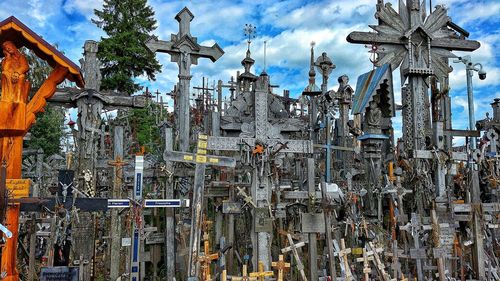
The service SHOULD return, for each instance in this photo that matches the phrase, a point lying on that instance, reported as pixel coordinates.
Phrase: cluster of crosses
(255, 185)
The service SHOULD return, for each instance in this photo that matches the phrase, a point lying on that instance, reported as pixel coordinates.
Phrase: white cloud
(84, 7)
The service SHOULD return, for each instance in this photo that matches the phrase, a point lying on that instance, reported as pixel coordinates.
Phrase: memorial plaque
(313, 222)
(18, 188)
(126, 242)
(155, 238)
(231, 207)
(263, 221)
(59, 273)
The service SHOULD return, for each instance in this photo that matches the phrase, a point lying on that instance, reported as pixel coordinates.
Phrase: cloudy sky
(288, 27)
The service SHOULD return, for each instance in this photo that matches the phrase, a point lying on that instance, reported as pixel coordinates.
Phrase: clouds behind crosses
(288, 27)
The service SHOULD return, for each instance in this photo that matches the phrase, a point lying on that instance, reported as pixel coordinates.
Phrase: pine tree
(123, 54)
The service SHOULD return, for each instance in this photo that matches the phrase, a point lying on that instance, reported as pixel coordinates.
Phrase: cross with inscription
(201, 159)
(184, 50)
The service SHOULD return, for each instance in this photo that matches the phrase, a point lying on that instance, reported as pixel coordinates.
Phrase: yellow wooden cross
(281, 266)
(261, 274)
(205, 261)
(244, 276)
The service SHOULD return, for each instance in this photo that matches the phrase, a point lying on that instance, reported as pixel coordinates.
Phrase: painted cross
(261, 274)
(281, 266)
(416, 253)
(205, 261)
(137, 202)
(201, 159)
(184, 50)
(293, 248)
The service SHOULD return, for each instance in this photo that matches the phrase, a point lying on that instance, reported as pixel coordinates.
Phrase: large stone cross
(184, 50)
(265, 135)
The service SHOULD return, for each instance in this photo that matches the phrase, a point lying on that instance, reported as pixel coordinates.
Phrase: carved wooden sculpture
(17, 114)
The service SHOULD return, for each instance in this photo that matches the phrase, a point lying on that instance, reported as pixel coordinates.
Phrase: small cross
(343, 254)
(261, 274)
(367, 257)
(280, 265)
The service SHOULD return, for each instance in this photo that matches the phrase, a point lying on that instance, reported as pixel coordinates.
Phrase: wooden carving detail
(14, 68)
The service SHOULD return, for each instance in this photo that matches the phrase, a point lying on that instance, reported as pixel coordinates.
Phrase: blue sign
(138, 186)
(118, 203)
(165, 203)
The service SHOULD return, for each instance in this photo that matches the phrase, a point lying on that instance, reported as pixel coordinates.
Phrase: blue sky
(288, 27)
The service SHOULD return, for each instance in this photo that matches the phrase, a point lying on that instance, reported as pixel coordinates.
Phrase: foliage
(143, 126)
(47, 132)
(123, 54)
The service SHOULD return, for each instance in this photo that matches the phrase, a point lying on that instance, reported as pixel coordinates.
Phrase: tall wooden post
(115, 233)
(169, 213)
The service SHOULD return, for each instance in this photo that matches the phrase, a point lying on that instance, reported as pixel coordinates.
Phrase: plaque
(59, 273)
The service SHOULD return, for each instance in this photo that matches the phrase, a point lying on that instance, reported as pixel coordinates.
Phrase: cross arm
(235, 144)
(192, 158)
(446, 43)
(359, 37)
(213, 53)
(83, 204)
(160, 46)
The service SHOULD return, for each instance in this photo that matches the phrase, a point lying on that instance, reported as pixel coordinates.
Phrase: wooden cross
(201, 159)
(280, 265)
(246, 198)
(378, 263)
(184, 50)
(205, 261)
(293, 248)
(367, 257)
(413, 39)
(441, 157)
(342, 254)
(261, 274)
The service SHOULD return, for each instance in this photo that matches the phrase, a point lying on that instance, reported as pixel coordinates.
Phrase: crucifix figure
(185, 51)
(17, 113)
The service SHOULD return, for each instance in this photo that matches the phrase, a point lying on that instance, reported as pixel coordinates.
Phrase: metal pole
(470, 98)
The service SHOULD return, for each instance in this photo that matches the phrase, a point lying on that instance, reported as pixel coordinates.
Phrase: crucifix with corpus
(185, 51)
(18, 111)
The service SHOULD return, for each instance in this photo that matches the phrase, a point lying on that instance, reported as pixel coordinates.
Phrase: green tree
(123, 54)
(47, 132)
(143, 125)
